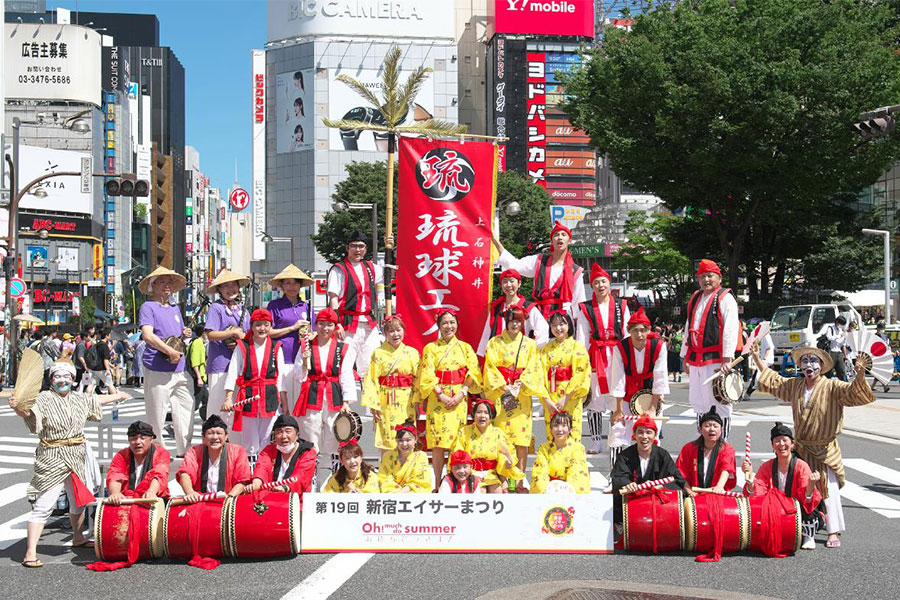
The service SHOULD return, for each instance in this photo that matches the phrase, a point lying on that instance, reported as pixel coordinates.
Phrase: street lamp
(887, 270)
(511, 208)
(267, 239)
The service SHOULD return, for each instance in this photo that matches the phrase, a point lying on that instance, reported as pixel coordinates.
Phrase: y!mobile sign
(542, 17)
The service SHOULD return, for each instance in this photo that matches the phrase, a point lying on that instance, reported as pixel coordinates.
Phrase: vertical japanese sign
(536, 119)
(258, 139)
(444, 259)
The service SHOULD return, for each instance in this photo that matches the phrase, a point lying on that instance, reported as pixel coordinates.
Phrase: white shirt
(527, 267)
(807, 394)
(336, 282)
(660, 371)
(583, 324)
(138, 470)
(728, 308)
(534, 322)
(836, 338)
(236, 366)
(282, 470)
(212, 477)
(644, 463)
(347, 381)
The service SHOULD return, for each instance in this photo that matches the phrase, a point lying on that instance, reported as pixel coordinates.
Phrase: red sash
(396, 381)
(634, 381)
(323, 381)
(510, 375)
(255, 383)
(452, 377)
(602, 339)
(484, 465)
(557, 374)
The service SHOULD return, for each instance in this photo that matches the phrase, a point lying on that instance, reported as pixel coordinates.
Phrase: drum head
(347, 426)
(640, 403)
(729, 388)
(157, 535)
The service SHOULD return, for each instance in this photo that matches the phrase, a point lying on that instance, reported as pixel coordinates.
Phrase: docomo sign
(542, 17)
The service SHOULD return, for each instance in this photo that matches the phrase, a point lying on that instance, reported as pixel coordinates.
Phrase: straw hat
(226, 276)
(292, 272)
(800, 351)
(159, 271)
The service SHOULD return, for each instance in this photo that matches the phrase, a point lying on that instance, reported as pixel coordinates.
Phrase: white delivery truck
(803, 324)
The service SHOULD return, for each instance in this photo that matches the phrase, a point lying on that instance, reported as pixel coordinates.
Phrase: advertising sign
(545, 523)
(535, 104)
(239, 199)
(81, 226)
(36, 257)
(66, 259)
(541, 17)
(294, 108)
(258, 152)
(63, 193)
(344, 103)
(49, 62)
(570, 216)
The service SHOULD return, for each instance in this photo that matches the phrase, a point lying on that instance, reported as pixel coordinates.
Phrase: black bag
(822, 342)
(92, 358)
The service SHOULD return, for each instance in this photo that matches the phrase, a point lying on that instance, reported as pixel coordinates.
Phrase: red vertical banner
(536, 119)
(448, 191)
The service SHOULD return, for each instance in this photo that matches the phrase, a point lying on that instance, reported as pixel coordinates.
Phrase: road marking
(13, 493)
(328, 578)
(874, 469)
(4, 471)
(17, 449)
(13, 531)
(17, 460)
(883, 505)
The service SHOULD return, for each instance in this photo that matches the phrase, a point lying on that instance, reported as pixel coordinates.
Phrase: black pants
(840, 369)
(201, 395)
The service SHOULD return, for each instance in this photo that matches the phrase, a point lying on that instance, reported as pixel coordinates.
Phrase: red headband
(598, 271)
(327, 315)
(408, 428)
(644, 421)
(510, 273)
(639, 318)
(395, 316)
(261, 314)
(461, 457)
(708, 266)
(559, 412)
(443, 311)
(349, 443)
(560, 227)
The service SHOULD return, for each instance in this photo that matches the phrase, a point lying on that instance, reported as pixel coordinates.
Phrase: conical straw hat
(292, 272)
(179, 284)
(226, 276)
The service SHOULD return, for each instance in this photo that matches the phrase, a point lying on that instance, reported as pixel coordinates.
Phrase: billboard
(52, 62)
(536, 119)
(258, 151)
(294, 108)
(541, 17)
(344, 103)
(395, 19)
(63, 193)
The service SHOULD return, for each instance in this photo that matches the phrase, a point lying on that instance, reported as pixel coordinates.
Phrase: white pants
(701, 396)
(46, 502)
(361, 345)
(834, 512)
(164, 390)
(255, 433)
(216, 387)
(317, 428)
(291, 386)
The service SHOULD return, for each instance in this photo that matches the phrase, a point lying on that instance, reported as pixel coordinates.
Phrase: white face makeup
(811, 366)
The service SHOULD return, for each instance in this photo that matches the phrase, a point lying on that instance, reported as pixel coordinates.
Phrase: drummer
(287, 456)
(141, 470)
(290, 315)
(535, 324)
(568, 369)
(561, 459)
(708, 461)
(215, 465)
(638, 363)
(489, 448)
(405, 469)
(355, 475)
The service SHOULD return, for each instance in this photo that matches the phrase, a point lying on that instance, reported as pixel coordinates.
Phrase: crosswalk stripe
(4, 471)
(17, 449)
(17, 460)
(874, 469)
(881, 504)
(13, 531)
(12, 493)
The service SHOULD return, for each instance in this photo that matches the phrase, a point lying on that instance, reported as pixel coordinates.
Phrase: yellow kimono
(486, 447)
(501, 353)
(569, 355)
(370, 486)
(389, 387)
(441, 368)
(415, 473)
(569, 464)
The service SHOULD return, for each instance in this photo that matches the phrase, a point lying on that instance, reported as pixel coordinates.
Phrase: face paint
(810, 365)
(62, 383)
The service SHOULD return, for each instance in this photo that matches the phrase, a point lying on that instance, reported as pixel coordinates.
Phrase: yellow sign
(98, 261)
(795, 336)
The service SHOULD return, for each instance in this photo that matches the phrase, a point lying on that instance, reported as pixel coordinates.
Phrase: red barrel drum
(653, 522)
(698, 532)
(113, 530)
(262, 525)
(791, 530)
(211, 527)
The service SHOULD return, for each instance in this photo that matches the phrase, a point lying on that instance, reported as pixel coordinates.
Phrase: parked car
(803, 323)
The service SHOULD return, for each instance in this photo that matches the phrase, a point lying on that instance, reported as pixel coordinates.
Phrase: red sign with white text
(542, 17)
(444, 259)
(536, 119)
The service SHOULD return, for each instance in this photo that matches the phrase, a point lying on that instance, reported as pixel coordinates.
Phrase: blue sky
(212, 39)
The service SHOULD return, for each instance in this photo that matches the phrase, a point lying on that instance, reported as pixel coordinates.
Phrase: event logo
(445, 175)
(559, 521)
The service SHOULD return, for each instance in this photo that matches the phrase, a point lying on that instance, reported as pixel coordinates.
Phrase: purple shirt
(219, 318)
(166, 320)
(286, 314)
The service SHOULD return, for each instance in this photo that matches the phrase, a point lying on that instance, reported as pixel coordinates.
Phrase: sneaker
(809, 543)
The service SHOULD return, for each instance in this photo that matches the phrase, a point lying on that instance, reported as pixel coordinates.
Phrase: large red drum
(262, 528)
(791, 530)
(698, 532)
(113, 530)
(653, 522)
(207, 519)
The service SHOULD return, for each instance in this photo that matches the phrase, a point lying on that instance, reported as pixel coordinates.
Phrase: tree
(88, 306)
(742, 109)
(523, 232)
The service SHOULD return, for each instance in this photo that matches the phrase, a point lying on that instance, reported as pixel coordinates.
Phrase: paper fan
(758, 334)
(875, 354)
(28, 382)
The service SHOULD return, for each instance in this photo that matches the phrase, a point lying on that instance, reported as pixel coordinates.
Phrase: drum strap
(302, 447)
(705, 479)
(223, 468)
(132, 468)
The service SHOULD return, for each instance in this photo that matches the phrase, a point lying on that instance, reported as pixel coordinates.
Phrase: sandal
(835, 543)
(32, 564)
(83, 544)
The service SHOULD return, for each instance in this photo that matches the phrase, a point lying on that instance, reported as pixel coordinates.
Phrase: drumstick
(245, 401)
(275, 484)
(125, 501)
(650, 484)
(718, 373)
(747, 453)
(636, 417)
(729, 493)
(203, 498)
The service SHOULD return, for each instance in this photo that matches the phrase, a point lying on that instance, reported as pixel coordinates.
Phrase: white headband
(65, 367)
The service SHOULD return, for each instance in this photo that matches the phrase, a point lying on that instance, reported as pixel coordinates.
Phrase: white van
(803, 324)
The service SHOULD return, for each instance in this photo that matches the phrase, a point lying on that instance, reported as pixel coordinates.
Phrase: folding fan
(875, 353)
(758, 334)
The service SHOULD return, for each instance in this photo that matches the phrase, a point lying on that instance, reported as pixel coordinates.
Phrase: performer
(261, 376)
(57, 417)
(291, 316)
(640, 462)
(557, 279)
(166, 385)
(513, 373)
(352, 293)
(461, 479)
(141, 470)
(711, 340)
(405, 469)
(786, 475)
(535, 325)
(327, 386)
(561, 459)
(388, 389)
(227, 322)
(489, 448)
(287, 456)
(818, 407)
(639, 363)
(355, 475)
(448, 372)
(600, 326)
(708, 461)
(568, 369)
(216, 465)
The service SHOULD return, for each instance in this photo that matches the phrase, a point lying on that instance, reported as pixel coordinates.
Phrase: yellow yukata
(370, 486)
(501, 353)
(569, 464)
(389, 387)
(486, 447)
(444, 423)
(569, 354)
(415, 472)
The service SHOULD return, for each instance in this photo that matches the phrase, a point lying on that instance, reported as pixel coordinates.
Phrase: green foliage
(522, 233)
(132, 309)
(88, 306)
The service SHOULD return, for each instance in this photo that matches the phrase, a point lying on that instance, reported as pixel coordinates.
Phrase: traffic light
(874, 124)
(128, 186)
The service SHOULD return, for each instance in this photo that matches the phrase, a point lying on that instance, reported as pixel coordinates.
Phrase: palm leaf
(29, 379)
(358, 87)
(433, 127)
(392, 108)
(355, 125)
(413, 85)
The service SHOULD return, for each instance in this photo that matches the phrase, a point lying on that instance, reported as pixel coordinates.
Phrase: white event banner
(495, 523)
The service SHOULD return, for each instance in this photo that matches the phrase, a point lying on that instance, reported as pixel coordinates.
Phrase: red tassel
(201, 562)
(716, 520)
(134, 543)
(83, 496)
(770, 521)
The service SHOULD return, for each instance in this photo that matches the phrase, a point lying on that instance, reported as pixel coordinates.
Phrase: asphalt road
(865, 566)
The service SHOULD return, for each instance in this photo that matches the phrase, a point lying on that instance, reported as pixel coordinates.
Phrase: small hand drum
(347, 427)
(231, 342)
(640, 403)
(728, 389)
(175, 343)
